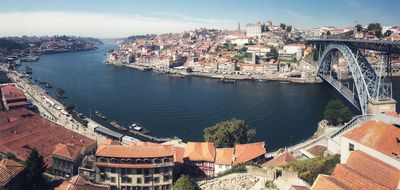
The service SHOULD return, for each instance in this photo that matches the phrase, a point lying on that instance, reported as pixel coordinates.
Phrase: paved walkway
(36, 94)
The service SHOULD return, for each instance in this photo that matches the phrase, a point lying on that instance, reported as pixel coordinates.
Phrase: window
(128, 180)
(147, 179)
(146, 171)
(156, 170)
(129, 171)
(112, 179)
(351, 147)
(139, 171)
(139, 180)
(156, 180)
(113, 170)
(166, 178)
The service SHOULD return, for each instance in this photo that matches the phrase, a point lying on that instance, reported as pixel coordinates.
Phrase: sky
(122, 18)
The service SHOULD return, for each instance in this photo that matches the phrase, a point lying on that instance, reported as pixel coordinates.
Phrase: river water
(282, 114)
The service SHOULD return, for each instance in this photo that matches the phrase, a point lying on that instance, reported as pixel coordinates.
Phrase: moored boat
(117, 126)
(225, 80)
(100, 115)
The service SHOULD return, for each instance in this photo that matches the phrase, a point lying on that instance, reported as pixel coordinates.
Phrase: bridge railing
(355, 121)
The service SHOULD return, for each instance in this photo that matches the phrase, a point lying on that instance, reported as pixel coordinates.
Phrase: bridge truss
(367, 83)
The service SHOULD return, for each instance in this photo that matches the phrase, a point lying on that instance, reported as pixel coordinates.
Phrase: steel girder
(368, 84)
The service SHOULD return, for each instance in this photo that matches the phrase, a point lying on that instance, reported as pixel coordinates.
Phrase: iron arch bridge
(367, 83)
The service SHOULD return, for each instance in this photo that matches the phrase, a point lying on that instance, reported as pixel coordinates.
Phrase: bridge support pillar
(379, 106)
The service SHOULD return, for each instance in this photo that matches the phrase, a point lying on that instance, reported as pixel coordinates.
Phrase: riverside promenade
(36, 95)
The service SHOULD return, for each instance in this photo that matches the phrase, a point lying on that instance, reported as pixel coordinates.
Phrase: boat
(135, 127)
(48, 85)
(100, 115)
(117, 126)
(176, 75)
(28, 70)
(60, 95)
(60, 90)
(262, 80)
(225, 80)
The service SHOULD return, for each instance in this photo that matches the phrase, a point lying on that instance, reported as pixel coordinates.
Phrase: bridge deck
(377, 45)
(347, 93)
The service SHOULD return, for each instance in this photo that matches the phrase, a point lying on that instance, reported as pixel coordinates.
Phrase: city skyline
(123, 18)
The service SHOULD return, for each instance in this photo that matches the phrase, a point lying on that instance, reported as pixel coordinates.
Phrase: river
(282, 114)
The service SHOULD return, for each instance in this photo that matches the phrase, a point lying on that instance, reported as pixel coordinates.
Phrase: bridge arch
(368, 85)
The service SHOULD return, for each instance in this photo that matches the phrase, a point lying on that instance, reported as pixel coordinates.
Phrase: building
(253, 30)
(201, 156)
(144, 166)
(10, 176)
(294, 49)
(376, 138)
(282, 159)
(207, 160)
(21, 130)
(79, 183)
(361, 171)
(224, 159)
(66, 159)
(13, 97)
(370, 156)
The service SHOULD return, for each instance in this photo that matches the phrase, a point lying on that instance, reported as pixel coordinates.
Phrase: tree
(337, 113)
(34, 169)
(228, 133)
(328, 33)
(185, 183)
(283, 26)
(274, 51)
(359, 28)
(315, 54)
(289, 28)
(388, 33)
(376, 28)
(189, 69)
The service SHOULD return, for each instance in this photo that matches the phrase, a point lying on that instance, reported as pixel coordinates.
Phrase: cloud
(101, 25)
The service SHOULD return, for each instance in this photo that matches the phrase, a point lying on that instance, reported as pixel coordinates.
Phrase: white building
(376, 138)
(253, 30)
(294, 49)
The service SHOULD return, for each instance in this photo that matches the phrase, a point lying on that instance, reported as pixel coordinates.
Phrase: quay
(184, 73)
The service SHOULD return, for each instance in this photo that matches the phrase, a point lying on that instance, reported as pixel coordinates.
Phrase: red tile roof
(200, 151)
(377, 135)
(296, 187)
(11, 92)
(135, 151)
(79, 183)
(248, 152)
(21, 130)
(224, 156)
(8, 170)
(361, 171)
(69, 151)
(178, 154)
(282, 159)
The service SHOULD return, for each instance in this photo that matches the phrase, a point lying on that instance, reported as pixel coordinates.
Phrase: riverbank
(183, 73)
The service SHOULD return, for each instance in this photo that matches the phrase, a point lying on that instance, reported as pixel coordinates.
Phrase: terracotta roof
(79, 183)
(324, 182)
(8, 170)
(21, 130)
(361, 171)
(67, 150)
(248, 152)
(282, 159)
(11, 92)
(368, 171)
(224, 156)
(178, 154)
(317, 150)
(200, 151)
(378, 135)
(135, 151)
